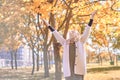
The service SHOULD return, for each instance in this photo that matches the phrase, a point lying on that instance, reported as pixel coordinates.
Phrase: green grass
(101, 69)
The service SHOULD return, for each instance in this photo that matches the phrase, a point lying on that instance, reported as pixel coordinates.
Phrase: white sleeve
(85, 34)
(58, 37)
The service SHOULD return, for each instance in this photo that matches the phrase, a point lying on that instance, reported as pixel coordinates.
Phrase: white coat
(80, 59)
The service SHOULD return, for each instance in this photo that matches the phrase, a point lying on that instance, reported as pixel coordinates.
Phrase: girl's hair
(73, 33)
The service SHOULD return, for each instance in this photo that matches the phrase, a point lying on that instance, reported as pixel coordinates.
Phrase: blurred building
(24, 57)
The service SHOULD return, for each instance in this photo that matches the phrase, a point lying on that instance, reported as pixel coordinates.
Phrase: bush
(112, 63)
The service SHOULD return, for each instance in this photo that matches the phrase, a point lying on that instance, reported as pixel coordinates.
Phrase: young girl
(74, 56)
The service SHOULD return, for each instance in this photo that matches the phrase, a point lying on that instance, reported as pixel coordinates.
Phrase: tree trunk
(37, 62)
(49, 60)
(46, 69)
(58, 71)
(12, 66)
(15, 56)
(101, 60)
(98, 59)
(33, 58)
(111, 59)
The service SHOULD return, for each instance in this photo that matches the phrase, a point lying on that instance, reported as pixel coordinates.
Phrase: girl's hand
(45, 22)
(93, 14)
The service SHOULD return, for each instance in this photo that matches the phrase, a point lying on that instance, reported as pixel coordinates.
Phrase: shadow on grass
(8, 74)
(101, 69)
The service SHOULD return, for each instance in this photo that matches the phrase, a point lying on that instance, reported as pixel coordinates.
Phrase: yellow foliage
(81, 11)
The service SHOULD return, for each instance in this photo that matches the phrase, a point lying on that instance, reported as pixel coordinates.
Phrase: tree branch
(112, 7)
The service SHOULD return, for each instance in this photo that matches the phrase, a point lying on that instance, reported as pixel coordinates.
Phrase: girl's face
(73, 36)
